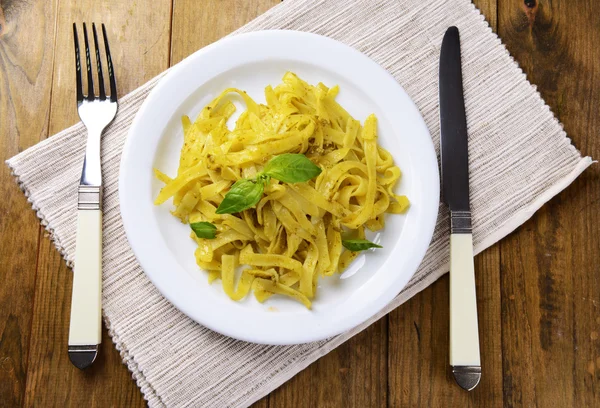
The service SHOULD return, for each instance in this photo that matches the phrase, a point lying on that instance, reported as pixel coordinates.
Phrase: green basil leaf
(204, 229)
(359, 244)
(291, 168)
(242, 195)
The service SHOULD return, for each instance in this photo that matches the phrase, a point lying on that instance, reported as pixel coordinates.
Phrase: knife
(464, 337)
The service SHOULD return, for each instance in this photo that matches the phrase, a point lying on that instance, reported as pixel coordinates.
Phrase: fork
(96, 112)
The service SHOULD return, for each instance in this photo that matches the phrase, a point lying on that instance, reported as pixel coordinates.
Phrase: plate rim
(167, 290)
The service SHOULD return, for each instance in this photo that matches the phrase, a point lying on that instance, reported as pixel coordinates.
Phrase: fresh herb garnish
(291, 168)
(246, 193)
(242, 195)
(359, 244)
(204, 229)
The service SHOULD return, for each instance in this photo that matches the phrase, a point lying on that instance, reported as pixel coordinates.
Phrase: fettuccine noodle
(293, 235)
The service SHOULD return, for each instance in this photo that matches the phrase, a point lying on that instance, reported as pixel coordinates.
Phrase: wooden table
(538, 289)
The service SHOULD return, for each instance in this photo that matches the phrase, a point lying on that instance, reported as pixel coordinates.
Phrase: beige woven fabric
(520, 158)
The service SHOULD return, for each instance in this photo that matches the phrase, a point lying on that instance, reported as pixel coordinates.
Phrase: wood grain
(538, 290)
(26, 55)
(550, 285)
(353, 375)
(196, 25)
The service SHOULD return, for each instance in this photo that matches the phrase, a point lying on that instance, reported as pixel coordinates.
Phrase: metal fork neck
(92, 171)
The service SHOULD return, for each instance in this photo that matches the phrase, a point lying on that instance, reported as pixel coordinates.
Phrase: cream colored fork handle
(464, 335)
(86, 302)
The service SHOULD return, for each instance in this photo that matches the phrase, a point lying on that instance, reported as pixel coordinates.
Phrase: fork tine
(88, 64)
(99, 65)
(111, 73)
(77, 66)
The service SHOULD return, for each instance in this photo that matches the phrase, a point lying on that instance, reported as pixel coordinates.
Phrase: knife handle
(464, 334)
(85, 330)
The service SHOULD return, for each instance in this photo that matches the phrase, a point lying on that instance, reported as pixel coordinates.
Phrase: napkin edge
(522, 216)
(38, 211)
(149, 393)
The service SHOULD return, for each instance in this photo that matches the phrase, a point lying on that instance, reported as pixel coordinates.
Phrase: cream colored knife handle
(464, 335)
(85, 331)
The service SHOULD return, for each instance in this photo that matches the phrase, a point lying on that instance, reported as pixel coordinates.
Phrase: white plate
(250, 62)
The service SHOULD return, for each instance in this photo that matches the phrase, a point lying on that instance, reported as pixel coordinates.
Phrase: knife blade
(464, 337)
(453, 122)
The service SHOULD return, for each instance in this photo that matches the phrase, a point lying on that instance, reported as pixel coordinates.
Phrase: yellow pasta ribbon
(293, 236)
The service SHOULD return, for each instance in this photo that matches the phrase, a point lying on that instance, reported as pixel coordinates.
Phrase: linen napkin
(520, 157)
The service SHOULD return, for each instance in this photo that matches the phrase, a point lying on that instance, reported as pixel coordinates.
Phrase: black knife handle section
(460, 222)
(453, 123)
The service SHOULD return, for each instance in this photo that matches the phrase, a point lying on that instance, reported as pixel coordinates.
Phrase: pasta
(294, 232)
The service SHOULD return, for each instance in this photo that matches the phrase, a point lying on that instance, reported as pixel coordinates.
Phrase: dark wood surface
(538, 289)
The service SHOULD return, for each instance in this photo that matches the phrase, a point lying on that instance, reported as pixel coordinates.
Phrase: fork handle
(85, 331)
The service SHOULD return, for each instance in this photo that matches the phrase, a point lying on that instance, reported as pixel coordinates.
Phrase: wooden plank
(353, 375)
(139, 37)
(413, 330)
(138, 30)
(550, 285)
(197, 24)
(26, 39)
